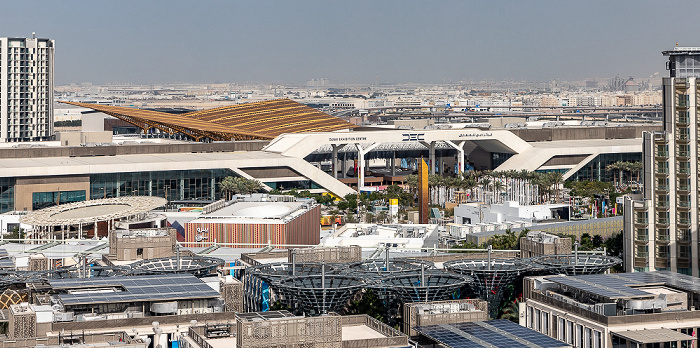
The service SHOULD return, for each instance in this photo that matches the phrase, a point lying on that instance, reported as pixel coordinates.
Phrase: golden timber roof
(260, 120)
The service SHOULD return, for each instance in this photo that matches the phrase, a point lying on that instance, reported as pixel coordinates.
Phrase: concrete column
(432, 157)
(393, 163)
(460, 156)
(334, 161)
(361, 163)
(441, 165)
(343, 166)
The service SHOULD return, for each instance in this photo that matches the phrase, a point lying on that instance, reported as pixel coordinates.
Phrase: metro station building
(287, 145)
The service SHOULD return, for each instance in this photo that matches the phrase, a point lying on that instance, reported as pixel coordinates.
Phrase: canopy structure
(259, 120)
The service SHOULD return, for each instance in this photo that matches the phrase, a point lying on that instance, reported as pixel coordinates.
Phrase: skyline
(357, 42)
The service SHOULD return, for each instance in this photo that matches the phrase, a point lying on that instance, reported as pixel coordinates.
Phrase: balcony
(642, 238)
(683, 120)
(663, 154)
(684, 204)
(642, 254)
(662, 204)
(684, 221)
(683, 154)
(663, 222)
(663, 237)
(661, 187)
(641, 221)
(683, 188)
(683, 138)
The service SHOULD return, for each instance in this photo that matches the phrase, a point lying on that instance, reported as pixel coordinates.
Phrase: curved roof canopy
(260, 120)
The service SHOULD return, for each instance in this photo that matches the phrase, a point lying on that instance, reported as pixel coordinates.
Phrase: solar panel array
(133, 289)
(623, 285)
(602, 285)
(677, 280)
(5, 261)
(620, 285)
(488, 334)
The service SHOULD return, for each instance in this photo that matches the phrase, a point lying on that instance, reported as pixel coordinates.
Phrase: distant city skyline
(354, 42)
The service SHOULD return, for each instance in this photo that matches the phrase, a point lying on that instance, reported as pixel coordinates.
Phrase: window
(545, 323)
(46, 199)
(597, 339)
(569, 332)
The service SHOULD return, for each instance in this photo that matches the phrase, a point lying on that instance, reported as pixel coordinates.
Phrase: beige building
(442, 312)
(283, 329)
(538, 243)
(26, 80)
(652, 309)
(661, 231)
(141, 244)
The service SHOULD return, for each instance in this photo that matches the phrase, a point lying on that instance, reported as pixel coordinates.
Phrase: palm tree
(617, 166)
(636, 168)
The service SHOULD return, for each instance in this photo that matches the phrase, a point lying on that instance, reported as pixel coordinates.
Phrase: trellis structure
(491, 276)
(319, 294)
(577, 264)
(424, 286)
(198, 266)
(259, 120)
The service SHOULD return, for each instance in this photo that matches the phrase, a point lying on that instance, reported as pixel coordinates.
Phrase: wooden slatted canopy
(260, 120)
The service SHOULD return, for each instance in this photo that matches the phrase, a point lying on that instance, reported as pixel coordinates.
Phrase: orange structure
(260, 120)
(423, 197)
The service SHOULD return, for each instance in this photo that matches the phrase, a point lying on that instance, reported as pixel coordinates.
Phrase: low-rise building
(283, 329)
(652, 309)
(258, 220)
(442, 312)
(538, 243)
(140, 244)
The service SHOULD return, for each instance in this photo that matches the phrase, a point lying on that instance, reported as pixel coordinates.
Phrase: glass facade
(497, 158)
(201, 184)
(46, 199)
(595, 169)
(7, 194)
(288, 185)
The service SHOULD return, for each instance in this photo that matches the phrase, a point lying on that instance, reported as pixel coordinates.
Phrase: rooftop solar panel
(602, 285)
(134, 288)
(494, 333)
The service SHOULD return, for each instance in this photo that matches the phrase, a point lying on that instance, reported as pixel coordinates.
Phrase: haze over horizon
(355, 41)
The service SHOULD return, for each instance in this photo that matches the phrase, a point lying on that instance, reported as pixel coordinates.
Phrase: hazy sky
(354, 41)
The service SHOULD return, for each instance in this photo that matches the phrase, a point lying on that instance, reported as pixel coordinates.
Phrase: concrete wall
(580, 133)
(79, 138)
(25, 187)
(81, 151)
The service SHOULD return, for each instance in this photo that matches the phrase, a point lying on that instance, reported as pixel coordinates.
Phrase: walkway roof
(260, 120)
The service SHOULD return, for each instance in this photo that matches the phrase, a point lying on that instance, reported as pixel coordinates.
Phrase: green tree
(239, 185)
(369, 303)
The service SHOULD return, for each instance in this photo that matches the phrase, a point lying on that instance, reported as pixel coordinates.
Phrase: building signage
(413, 136)
(475, 135)
(348, 139)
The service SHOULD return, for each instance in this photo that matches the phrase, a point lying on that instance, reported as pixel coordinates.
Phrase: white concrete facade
(476, 213)
(26, 89)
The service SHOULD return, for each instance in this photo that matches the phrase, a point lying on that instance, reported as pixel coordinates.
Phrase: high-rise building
(661, 231)
(26, 89)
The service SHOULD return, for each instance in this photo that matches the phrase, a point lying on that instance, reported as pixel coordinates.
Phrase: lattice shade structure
(260, 120)
(424, 286)
(10, 297)
(271, 272)
(377, 268)
(319, 294)
(577, 264)
(491, 276)
(198, 266)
